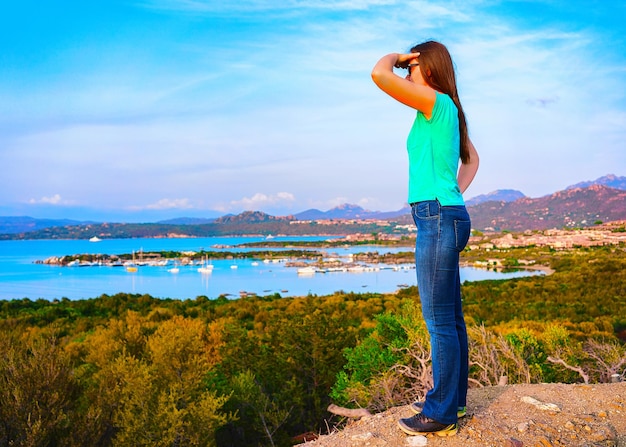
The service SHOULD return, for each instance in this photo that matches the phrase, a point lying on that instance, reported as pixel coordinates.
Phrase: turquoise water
(21, 277)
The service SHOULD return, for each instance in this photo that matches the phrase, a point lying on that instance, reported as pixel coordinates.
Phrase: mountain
(93, 214)
(186, 221)
(511, 195)
(579, 205)
(500, 195)
(23, 224)
(348, 211)
(571, 208)
(251, 217)
(610, 180)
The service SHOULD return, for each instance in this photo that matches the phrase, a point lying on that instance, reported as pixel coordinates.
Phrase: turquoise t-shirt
(434, 150)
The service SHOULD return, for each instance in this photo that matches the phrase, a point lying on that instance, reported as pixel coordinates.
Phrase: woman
(437, 141)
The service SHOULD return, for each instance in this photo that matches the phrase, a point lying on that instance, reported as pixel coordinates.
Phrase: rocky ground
(533, 415)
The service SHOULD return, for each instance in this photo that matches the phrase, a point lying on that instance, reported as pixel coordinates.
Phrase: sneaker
(422, 425)
(417, 407)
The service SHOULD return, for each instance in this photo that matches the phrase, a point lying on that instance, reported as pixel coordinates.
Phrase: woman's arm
(413, 92)
(467, 171)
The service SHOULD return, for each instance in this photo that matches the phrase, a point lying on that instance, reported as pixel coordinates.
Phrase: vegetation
(128, 370)
(243, 228)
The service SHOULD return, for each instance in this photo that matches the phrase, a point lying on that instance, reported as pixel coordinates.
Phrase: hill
(571, 208)
(501, 195)
(583, 416)
(248, 217)
(186, 221)
(612, 181)
(21, 224)
(602, 200)
(349, 211)
(577, 207)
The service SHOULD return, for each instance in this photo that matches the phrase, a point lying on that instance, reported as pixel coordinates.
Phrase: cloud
(53, 200)
(166, 204)
(276, 96)
(260, 200)
(255, 6)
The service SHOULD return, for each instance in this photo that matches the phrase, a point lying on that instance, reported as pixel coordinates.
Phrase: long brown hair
(437, 69)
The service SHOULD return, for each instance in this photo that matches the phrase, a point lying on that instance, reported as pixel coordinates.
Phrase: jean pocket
(429, 209)
(462, 229)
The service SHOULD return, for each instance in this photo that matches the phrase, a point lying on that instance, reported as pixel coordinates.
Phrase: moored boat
(206, 267)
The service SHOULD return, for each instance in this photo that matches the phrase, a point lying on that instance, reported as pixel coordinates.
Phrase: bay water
(21, 276)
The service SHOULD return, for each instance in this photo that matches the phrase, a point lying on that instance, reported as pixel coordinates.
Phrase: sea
(23, 275)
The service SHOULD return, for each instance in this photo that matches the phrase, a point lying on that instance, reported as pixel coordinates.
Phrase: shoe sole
(450, 430)
(459, 413)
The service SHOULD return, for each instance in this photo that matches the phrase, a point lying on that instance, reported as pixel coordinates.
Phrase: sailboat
(130, 265)
(307, 270)
(206, 267)
(174, 269)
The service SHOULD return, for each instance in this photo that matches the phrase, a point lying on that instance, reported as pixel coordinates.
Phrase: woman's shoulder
(443, 97)
(443, 104)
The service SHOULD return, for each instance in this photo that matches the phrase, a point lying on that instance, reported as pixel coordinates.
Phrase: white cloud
(165, 204)
(260, 201)
(255, 6)
(335, 202)
(53, 200)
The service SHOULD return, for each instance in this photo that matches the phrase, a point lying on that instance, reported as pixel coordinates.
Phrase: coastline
(499, 268)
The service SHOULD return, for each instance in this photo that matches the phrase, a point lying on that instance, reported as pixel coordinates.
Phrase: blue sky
(159, 108)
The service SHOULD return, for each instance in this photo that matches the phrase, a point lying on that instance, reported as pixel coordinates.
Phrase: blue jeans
(443, 232)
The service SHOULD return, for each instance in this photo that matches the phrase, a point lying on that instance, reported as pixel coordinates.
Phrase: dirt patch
(509, 416)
